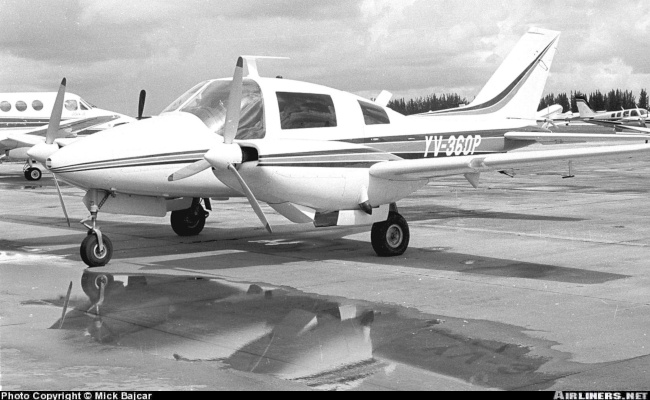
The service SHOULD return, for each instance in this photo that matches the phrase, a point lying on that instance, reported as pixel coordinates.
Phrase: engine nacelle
(322, 175)
(20, 153)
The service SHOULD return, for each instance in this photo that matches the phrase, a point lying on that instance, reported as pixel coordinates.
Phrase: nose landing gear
(96, 249)
(31, 173)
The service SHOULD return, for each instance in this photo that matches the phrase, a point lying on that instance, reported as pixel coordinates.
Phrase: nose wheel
(31, 173)
(93, 253)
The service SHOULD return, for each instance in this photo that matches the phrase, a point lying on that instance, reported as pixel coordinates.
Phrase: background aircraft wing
(429, 168)
(70, 128)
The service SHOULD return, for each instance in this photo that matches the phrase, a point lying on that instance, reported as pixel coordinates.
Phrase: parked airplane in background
(547, 116)
(24, 118)
(621, 120)
(314, 154)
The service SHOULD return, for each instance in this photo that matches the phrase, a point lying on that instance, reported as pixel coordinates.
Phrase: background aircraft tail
(516, 87)
(583, 108)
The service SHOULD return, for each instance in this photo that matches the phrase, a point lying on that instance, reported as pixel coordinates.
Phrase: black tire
(32, 174)
(90, 254)
(189, 222)
(90, 284)
(391, 237)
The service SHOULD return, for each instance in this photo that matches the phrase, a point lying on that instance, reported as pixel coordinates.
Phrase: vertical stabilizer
(516, 87)
(583, 108)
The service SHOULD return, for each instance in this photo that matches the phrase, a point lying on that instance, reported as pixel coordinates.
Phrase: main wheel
(32, 174)
(90, 253)
(391, 237)
(189, 222)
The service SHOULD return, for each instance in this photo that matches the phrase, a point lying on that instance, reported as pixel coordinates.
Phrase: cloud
(113, 48)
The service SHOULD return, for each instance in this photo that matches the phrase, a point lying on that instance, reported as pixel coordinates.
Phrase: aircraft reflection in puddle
(318, 342)
(291, 335)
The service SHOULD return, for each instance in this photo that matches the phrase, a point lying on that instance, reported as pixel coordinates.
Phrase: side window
(634, 113)
(373, 114)
(37, 105)
(71, 105)
(618, 114)
(613, 115)
(305, 110)
(83, 106)
(626, 113)
(21, 105)
(5, 106)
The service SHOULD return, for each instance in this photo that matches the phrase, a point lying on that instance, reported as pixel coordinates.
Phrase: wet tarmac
(527, 283)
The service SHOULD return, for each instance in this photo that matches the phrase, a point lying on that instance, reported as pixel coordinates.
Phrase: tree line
(615, 99)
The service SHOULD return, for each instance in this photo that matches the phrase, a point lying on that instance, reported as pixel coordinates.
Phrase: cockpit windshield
(208, 101)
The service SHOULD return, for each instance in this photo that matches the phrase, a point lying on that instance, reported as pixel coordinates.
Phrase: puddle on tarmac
(324, 343)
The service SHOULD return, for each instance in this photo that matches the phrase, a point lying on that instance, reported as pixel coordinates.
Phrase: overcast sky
(110, 49)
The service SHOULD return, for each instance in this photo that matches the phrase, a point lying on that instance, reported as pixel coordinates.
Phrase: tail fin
(516, 87)
(583, 108)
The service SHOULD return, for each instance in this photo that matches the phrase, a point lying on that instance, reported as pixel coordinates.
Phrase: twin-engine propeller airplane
(312, 153)
(24, 118)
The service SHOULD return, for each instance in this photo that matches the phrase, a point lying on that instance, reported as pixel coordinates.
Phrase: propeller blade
(55, 117)
(251, 198)
(234, 103)
(58, 190)
(143, 95)
(189, 170)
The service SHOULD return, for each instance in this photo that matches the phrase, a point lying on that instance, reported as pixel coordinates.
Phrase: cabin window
(71, 105)
(618, 114)
(613, 115)
(373, 114)
(643, 112)
(83, 106)
(634, 113)
(37, 105)
(21, 105)
(5, 106)
(626, 113)
(305, 110)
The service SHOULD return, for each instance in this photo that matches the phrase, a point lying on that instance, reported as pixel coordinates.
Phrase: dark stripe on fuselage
(135, 158)
(141, 164)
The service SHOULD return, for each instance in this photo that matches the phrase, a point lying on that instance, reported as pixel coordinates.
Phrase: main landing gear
(391, 237)
(31, 173)
(190, 222)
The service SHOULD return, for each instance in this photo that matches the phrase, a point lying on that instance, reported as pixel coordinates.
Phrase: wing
(560, 138)
(469, 165)
(68, 131)
(75, 127)
(620, 126)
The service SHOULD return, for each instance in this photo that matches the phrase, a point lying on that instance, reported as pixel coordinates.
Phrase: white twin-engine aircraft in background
(24, 118)
(314, 154)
